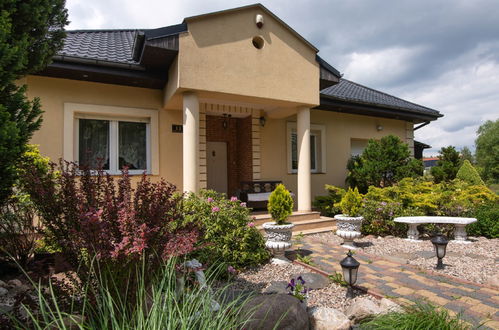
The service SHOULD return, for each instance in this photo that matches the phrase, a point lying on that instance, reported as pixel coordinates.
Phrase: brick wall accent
(237, 135)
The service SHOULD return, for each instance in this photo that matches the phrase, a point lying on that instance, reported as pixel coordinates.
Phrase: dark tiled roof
(350, 91)
(103, 45)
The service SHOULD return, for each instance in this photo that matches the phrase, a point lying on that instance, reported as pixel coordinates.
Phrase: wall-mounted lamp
(225, 123)
(379, 127)
(259, 21)
(262, 121)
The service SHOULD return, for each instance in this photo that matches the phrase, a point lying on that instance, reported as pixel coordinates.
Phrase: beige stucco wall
(54, 92)
(217, 55)
(340, 129)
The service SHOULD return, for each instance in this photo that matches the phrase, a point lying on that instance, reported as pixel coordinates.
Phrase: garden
(83, 249)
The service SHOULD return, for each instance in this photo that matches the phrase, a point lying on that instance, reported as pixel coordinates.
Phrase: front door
(216, 164)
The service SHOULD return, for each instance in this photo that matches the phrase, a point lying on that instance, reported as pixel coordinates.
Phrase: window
(111, 138)
(317, 148)
(112, 144)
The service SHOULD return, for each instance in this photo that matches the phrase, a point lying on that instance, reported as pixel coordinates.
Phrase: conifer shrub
(326, 204)
(351, 203)
(487, 224)
(280, 205)
(469, 174)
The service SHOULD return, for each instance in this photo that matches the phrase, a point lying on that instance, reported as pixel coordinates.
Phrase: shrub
(280, 204)
(378, 218)
(417, 317)
(469, 174)
(88, 213)
(326, 204)
(228, 234)
(18, 228)
(382, 164)
(447, 166)
(487, 224)
(351, 203)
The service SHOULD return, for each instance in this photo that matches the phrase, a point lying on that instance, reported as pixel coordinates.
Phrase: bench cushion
(428, 219)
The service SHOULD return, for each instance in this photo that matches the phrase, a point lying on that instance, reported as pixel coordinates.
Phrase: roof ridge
(380, 92)
(103, 30)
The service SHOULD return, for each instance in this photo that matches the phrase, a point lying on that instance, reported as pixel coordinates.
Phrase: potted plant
(348, 224)
(278, 233)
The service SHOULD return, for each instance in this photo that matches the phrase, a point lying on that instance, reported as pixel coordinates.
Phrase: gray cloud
(441, 54)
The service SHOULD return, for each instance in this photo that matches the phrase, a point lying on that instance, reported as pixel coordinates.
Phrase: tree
(382, 164)
(469, 174)
(466, 154)
(31, 32)
(487, 150)
(447, 166)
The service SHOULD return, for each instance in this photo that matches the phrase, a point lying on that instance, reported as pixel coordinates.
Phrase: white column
(190, 138)
(304, 178)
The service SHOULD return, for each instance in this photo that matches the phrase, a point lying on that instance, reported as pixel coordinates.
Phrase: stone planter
(278, 239)
(348, 228)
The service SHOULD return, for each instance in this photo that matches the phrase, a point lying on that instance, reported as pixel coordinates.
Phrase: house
(221, 98)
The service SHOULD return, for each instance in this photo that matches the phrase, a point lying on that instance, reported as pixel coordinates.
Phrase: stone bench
(459, 223)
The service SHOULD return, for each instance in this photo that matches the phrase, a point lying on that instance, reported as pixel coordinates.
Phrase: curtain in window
(93, 143)
(132, 145)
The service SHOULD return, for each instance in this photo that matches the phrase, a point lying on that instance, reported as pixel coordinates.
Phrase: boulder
(266, 311)
(362, 309)
(313, 281)
(493, 280)
(323, 318)
(388, 306)
(277, 287)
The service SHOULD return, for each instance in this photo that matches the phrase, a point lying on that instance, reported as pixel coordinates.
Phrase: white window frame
(290, 129)
(73, 112)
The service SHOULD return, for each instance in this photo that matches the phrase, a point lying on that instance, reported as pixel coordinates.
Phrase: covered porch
(198, 115)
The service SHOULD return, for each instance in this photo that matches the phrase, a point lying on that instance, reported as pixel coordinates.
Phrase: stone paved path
(406, 284)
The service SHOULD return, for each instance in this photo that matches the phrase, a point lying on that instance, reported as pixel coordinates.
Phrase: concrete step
(260, 219)
(311, 226)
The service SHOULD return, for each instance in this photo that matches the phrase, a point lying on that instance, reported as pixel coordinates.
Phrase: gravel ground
(476, 262)
(259, 278)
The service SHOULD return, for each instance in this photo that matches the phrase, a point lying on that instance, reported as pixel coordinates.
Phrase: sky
(440, 54)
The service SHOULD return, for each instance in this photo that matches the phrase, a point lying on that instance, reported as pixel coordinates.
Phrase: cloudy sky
(440, 54)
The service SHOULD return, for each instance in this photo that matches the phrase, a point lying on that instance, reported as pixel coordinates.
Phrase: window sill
(295, 173)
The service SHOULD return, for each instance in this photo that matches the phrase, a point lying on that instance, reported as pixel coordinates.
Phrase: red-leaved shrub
(91, 214)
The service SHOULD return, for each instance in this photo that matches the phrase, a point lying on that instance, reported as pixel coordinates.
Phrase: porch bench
(459, 223)
(256, 193)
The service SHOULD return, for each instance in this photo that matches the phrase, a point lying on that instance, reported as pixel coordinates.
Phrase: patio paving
(406, 284)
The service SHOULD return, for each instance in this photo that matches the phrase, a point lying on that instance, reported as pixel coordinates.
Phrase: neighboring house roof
(350, 95)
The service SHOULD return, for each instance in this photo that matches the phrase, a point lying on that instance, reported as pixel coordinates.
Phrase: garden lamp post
(349, 266)
(440, 244)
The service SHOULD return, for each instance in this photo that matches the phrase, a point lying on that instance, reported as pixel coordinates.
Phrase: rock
(277, 287)
(389, 237)
(388, 306)
(361, 309)
(313, 281)
(266, 311)
(493, 280)
(5, 308)
(3, 284)
(14, 283)
(3, 291)
(71, 322)
(323, 318)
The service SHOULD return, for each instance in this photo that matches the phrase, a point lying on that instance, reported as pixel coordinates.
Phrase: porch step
(309, 226)
(260, 219)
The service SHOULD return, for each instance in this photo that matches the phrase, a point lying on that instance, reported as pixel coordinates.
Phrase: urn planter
(278, 239)
(348, 228)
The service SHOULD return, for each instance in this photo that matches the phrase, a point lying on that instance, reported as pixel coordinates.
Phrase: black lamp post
(440, 244)
(349, 266)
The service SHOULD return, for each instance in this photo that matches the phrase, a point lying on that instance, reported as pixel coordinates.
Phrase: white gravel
(333, 296)
(477, 261)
